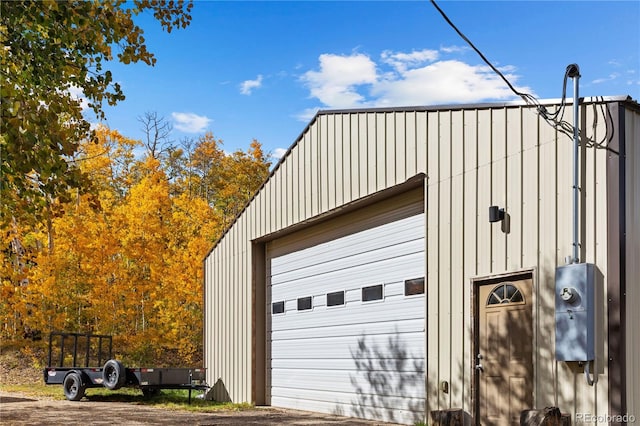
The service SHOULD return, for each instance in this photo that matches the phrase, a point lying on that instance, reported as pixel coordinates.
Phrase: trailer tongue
(79, 366)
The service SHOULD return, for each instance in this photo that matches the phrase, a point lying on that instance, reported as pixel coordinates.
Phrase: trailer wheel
(73, 387)
(113, 374)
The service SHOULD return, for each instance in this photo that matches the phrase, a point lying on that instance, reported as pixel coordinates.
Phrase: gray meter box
(575, 315)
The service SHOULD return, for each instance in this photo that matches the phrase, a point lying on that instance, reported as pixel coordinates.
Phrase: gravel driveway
(17, 409)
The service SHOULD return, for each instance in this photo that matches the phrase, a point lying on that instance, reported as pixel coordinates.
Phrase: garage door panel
(374, 382)
(356, 244)
(362, 358)
(337, 364)
(330, 328)
(312, 261)
(348, 398)
(386, 345)
(409, 415)
(390, 312)
(393, 271)
(356, 265)
(313, 266)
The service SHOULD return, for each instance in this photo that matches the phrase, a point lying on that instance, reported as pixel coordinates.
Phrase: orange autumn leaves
(126, 259)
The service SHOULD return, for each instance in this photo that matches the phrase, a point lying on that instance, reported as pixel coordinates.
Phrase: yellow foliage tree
(126, 259)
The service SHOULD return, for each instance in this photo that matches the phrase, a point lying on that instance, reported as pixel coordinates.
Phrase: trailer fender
(114, 375)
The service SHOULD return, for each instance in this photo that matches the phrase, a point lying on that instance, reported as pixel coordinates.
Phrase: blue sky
(260, 70)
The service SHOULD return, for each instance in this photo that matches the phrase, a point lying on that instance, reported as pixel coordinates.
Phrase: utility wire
(551, 118)
(527, 98)
(564, 127)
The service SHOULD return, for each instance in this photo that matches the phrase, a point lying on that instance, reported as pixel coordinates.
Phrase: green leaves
(49, 47)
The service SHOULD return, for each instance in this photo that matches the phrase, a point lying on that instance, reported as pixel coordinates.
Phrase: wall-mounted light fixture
(496, 214)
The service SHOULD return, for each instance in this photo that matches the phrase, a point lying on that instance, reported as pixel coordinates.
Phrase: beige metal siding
(324, 170)
(473, 158)
(632, 132)
(512, 159)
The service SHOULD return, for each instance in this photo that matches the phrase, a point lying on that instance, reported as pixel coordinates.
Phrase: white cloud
(405, 78)
(278, 153)
(444, 82)
(336, 81)
(247, 86)
(189, 122)
(611, 77)
(78, 95)
(307, 114)
(401, 61)
(454, 49)
(631, 78)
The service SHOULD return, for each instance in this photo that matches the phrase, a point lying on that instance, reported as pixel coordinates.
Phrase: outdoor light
(496, 214)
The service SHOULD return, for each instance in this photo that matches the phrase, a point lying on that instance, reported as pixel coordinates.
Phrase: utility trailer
(76, 361)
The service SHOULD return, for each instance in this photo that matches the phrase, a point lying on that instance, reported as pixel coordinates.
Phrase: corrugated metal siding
(632, 131)
(510, 158)
(327, 168)
(474, 158)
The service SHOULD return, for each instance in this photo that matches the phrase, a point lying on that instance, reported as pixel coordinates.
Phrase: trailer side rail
(97, 349)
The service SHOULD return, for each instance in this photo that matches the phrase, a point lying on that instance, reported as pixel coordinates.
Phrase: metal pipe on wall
(573, 71)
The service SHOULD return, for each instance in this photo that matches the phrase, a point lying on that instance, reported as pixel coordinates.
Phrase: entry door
(504, 359)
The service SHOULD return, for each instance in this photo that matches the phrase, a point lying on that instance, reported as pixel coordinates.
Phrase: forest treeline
(124, 257)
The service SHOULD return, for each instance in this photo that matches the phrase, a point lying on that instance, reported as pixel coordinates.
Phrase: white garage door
(347, 327)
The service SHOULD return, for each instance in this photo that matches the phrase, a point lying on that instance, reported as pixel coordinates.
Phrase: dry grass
(21, 371)
(21, 365)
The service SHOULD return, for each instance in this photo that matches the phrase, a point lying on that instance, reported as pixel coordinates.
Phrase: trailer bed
(80, 375)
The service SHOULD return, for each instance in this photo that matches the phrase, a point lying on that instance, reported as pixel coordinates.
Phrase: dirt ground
(20, 409)
(17, 409)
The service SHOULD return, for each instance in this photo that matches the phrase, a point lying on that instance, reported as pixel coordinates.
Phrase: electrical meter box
(575, 312)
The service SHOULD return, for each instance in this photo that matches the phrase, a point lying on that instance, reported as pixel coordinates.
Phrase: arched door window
(504, 293)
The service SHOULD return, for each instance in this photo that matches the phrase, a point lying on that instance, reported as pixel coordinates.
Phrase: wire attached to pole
(527, 97)
(555, 119)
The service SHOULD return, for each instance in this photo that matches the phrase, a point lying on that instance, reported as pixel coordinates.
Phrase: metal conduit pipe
(573, 71)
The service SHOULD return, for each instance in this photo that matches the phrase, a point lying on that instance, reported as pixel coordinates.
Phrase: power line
(551, 118)
(527, 98)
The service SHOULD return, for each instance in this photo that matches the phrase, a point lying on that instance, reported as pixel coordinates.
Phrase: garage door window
(414, 286)
(277, 308)
(304, 303)
(335, 298)
(371, 293)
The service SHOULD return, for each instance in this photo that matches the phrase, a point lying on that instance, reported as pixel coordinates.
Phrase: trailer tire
(113, 375)
(73, 386)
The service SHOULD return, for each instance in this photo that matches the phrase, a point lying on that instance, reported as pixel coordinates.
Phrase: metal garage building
(364, 277)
